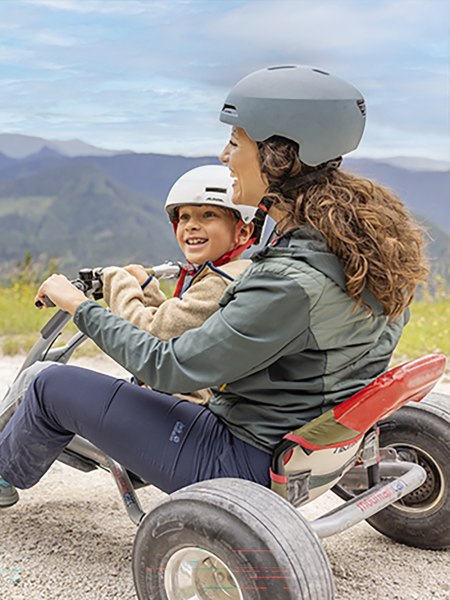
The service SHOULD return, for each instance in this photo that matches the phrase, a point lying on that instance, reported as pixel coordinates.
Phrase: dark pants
(167, 441)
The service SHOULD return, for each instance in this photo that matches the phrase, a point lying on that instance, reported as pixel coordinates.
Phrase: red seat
(348, 421)
(305, 463)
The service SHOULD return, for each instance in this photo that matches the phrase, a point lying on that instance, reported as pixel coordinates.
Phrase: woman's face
(240, 155)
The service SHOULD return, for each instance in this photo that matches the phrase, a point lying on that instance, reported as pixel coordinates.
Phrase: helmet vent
(362, 107)
(229, 109)
(216, 189)
(282, 67)
(321, 72)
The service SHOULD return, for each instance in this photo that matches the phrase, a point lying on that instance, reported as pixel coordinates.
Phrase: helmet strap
(301, 179)
(260, 217)
(231, 254)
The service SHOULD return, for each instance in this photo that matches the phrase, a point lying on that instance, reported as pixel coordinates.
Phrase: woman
(314, 319)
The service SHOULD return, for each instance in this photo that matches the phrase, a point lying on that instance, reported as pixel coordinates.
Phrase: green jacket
(286, 344)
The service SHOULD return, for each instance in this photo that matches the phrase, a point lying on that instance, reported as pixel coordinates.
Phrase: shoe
(8, 494)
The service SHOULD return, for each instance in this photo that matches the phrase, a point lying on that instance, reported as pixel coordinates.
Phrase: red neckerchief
(190, 270)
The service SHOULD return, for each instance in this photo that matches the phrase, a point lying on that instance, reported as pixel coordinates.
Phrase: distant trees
(33, 271)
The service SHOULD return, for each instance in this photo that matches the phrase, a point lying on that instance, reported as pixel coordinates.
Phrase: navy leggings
(169, 442)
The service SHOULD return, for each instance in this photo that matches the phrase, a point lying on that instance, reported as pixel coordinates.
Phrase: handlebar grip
(47, 302)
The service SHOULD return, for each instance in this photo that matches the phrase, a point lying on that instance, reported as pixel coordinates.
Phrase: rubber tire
(425, 425)
(225, 515)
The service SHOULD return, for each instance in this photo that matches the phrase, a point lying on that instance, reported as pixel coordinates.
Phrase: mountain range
(103, 207)
(20, 146)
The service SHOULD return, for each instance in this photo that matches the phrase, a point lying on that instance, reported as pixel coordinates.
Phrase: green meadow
(427, 331)
(20, 320)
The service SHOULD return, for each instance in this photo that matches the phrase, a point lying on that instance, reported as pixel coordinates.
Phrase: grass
(428, 329)
(20, 320)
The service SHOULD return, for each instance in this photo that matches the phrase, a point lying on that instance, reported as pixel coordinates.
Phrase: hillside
(438, 249)
(426, 193)
(98, 210)
(16, 145)
(145, 173)
(80, 215)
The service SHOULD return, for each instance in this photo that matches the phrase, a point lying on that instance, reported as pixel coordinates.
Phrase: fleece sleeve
(167, 319)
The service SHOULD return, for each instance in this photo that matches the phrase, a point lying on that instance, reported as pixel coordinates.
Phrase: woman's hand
(61, 292)
(138, 272)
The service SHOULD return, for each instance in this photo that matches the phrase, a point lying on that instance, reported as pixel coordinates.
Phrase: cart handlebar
(90, 282)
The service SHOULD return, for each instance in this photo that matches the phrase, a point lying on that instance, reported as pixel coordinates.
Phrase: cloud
(130, 7)
(146, 73)
(10, 54)
(334, 35)
(347, 24)
(53, 39)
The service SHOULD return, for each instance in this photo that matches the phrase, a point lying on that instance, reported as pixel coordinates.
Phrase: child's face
(206, 232)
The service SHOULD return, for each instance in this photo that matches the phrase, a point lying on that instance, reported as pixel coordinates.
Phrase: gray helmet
(323, 114)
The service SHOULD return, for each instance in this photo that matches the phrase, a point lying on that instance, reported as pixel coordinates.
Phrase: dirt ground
(69, 538)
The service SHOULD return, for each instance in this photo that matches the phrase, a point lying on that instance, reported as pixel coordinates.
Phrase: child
(212, 233)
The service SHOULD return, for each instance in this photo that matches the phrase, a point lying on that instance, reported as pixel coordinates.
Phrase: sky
(152, 75)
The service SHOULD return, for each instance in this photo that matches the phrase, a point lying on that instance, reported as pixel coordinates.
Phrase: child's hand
(138, 272)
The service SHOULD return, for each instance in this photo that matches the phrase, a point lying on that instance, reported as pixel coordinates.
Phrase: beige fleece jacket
(163, 317)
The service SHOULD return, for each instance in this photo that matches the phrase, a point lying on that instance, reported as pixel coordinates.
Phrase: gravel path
(69, 538)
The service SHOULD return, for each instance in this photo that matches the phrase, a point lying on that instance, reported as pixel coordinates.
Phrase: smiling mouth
(196, 241)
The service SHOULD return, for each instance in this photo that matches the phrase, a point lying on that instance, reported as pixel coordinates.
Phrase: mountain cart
(385, 452)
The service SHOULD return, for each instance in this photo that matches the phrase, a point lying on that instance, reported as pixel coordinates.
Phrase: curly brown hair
(363, 223)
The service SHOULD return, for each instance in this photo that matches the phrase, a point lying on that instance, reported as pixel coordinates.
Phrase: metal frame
(406, 478)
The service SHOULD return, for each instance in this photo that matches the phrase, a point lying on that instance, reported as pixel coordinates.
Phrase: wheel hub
(197, 574)
(429, 494)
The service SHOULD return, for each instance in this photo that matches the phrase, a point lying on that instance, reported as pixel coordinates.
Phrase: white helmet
(209, 184)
